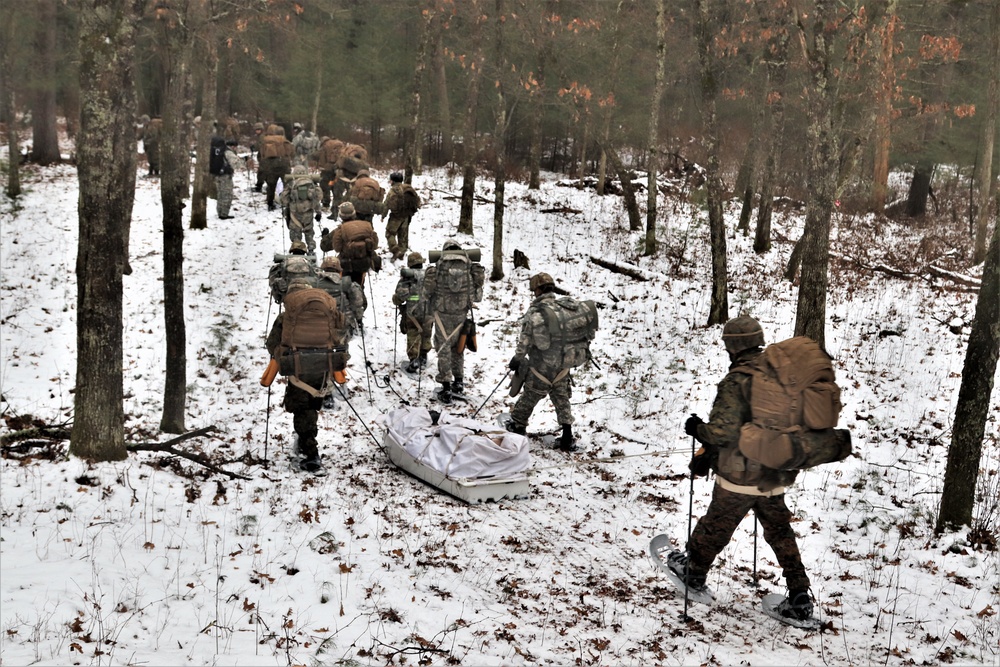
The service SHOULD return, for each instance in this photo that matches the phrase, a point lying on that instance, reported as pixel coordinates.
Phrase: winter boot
(413, 366)
(513, 427)
(566, 439)
(797, 605)
(677, 561)
(423, 359)
(444, 394)
(311, 464)
(458, 387)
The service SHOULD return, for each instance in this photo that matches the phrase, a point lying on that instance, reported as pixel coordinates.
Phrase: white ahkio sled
(470, 460)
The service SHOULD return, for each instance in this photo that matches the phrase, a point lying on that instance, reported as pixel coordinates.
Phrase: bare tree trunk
(625, 177)
(7, 48)
(413, 156)
(920, 188)
(652, 150)
(777, 72)
(208, 59)
(985, 174)
(444, 105)
(719, 308)
(964, 455)
(881, 138)
(469, 140)
(500, 145)
(175, 170)
(537, 112)
(106, 166)
(44, 136)
(318, 98)
(810, 316)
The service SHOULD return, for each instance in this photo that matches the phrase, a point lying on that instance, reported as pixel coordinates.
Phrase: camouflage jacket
(534, 341)
(452, 285)
(730, 411)
(350, 300)
(302, 196)
(408, 292)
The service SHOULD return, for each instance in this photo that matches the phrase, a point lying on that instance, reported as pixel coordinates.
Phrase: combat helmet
(541, 281)
(298, 247)
(451, 244)
(742, 333)
(414, 259)
(347, 211)
(299, 170)
(396, 177)
(331, 263)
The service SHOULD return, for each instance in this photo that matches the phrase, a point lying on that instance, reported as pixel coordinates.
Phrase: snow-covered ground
(155, 561)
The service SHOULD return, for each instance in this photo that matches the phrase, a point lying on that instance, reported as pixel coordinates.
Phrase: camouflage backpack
(285, 269)
(313, 339)
(408, 201)
(457, 282)
(795, 405)
(571, 326)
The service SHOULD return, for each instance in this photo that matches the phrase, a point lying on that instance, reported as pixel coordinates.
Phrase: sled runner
(467, 459)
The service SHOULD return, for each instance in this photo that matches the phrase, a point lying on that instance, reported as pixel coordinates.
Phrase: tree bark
(881, 137)
(719, 306)
(208, 59)
(444, 105)
(470, 141)
(625, 177)
(8, 25)
(500, 144)
(810, 316)
(537, 100)
(175, 170)
(920, 188)
(985, 179)
(414, 147)
(964, 455)
(44, 136)
(106, 168)
(777, 73)
(652, 149)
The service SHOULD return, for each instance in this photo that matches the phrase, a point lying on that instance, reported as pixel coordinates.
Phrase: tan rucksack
(329, 153)
(795, 405)
(313, 338)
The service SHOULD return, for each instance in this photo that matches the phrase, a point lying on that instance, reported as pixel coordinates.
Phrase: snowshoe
(674, 565)
(313, 465)
(796, 611)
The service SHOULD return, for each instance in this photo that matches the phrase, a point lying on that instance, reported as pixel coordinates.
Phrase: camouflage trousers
(305, 415)
(726, 511)
(299, 225)
(535, 389)
(418, 341)
(224, 194)
(325, 178)
(397, 234)
(451, 364)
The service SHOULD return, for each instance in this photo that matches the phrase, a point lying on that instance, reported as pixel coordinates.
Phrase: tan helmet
(299, 170)
(742, 333)
(414, 259)
(451, 244)
(331, 263)
(346, 211)
(298, 246)
(258, 127)
(299, 283)
(540, 280)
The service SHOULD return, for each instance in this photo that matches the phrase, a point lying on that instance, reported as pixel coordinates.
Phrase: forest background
(811, 101)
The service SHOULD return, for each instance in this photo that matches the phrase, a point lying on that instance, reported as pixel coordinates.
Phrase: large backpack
(571, 325)
(458, 282)
(285, 269)
(302, 188)
(409, 201)
(217, 164)
(358, 240)
(329, 152)
(313, 340)
(272, 146)
(794, 405)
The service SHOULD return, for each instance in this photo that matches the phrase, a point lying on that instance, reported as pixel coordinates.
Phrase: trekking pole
(755, 582)
(348, 401)
(491, 394)
(364, 351)
(687, 564)
(267, 425)
(374, 314)
(395, 336)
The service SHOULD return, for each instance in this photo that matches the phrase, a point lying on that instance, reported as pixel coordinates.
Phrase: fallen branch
(925, 273)
(560, 209)
(632, 272)
(450, 195)
(168, 447)
(59, 432)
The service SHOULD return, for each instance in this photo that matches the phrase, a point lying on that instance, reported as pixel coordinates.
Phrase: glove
(324, 231)
(701, 463)
(691, 425)
(514, 364)
(376, 263)
(318, 217)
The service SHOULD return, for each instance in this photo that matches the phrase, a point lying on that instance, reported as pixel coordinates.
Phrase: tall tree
(978, 373)
(499, 142)
(607, 103)
(207, 59)
(818, 42)
(44, 136)
(706, 28)
(11, 19)
(885, 92)
(539, 91)
(106, 168)
(414, 146)
(175, 41)
(653, 145)
(984, 173)
(473, 65)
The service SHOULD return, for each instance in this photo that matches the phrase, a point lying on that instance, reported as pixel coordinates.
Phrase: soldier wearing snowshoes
(538, 363)
(349, 297)
(308, 341)
(402, 203)
(451, 286)
(741, 484)
(413, 318)
(355, 242)
(301, 202)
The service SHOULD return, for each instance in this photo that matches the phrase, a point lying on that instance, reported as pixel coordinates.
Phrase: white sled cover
(459, 448)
